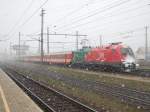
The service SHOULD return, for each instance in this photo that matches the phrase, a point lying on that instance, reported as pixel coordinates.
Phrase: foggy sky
(113, 22)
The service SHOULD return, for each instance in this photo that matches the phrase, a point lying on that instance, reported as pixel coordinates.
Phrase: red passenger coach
(59, 58)
(32, 59)
(56, 58)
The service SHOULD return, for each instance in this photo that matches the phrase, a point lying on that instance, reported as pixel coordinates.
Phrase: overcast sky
(114, 20)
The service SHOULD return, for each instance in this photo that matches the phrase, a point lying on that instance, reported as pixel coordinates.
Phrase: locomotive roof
(111, 46)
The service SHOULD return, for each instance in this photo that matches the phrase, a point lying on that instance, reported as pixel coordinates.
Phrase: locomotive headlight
(127, 64)
(123, 60)
(137, 65)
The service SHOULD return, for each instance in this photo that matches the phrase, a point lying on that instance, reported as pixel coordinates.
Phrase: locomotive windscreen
(127, 51)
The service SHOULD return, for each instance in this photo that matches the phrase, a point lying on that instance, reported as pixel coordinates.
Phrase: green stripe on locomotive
(78, 56)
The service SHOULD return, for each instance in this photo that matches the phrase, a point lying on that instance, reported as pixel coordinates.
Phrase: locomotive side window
(113, 51)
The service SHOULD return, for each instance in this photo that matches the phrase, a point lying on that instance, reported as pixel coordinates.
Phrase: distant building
(140, 53)
(20, 49)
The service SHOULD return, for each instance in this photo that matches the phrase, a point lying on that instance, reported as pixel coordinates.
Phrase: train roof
(111, 45)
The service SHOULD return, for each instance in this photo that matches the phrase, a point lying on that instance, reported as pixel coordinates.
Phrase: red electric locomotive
(114, 55)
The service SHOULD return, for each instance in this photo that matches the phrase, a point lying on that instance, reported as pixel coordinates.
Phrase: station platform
(12, 98)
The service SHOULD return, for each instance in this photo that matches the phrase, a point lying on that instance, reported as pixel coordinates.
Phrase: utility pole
(77, 34)
(19, 45)
(100, 39)
(42, 27)
(146, 43)
(47, 40)
(39, 49)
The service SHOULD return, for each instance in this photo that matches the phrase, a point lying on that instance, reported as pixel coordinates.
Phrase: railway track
(139, 72)
(129, 96)
(142, 72)
(47, 98)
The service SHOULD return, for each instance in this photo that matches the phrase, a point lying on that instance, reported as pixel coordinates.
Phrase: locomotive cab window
(127, 51)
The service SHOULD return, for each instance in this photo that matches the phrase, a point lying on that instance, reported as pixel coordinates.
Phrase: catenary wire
(105, 17)
(28, 19)
(97, 12)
